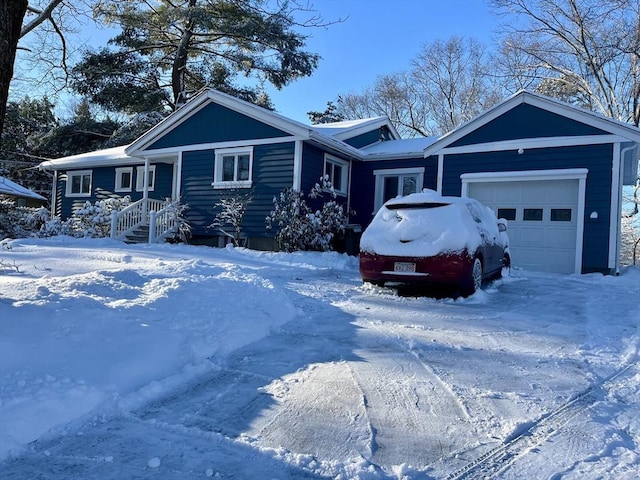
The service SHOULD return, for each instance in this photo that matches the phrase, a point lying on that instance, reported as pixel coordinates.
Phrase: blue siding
(596, 158)
(364, 139)
(312, 166)
(526, 121)
(103, 186)
(363, 183)
(215, 123)
(272, 172)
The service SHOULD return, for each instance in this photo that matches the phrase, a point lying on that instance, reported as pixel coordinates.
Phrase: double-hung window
(79, 183)
(233, 168)
(337, 172)
(124, 179)
(140, 178)
(396, 182)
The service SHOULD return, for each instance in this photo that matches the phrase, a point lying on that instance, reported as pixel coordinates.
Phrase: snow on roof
(400, 147)
(342, 129)
(100, 157)
(7, 187)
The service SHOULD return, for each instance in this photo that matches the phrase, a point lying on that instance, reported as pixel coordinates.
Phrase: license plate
(404, 267)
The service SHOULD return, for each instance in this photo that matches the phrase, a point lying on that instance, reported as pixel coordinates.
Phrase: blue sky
(378, 37)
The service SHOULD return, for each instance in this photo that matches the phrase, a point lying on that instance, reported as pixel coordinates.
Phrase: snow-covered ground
(173, 362)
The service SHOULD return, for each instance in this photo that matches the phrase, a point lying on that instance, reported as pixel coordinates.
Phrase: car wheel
(475, 278)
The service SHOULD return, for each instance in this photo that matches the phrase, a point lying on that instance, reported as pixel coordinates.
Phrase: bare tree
(449, 83)
(45, 19)
(583, 51)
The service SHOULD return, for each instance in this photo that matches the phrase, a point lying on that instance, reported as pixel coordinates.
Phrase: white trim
(614, 217)
(178, 185)
(392, 172)
(592, 119)
(297, 165)
(344, 177)
(579, 174)
(75, 173)
(118, 181)
(217, 145)
(532, 143)
(218, 182)
(202, 100)
(54, 193)
(440, 174)
(141, 185)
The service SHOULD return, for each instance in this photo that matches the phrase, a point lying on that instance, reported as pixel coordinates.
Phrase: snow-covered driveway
(285, 366)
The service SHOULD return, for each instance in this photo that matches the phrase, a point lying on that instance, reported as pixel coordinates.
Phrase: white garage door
(543, 220)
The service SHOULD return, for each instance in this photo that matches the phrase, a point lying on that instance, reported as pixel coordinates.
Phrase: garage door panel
(540, 243)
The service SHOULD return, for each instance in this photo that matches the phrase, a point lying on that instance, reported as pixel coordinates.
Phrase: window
(337, 172)
(560, 214)
(140, 178)
(124, 179)
(507, 213)
(79, 183)
(532, 215)
(397, 182)
(233, 168)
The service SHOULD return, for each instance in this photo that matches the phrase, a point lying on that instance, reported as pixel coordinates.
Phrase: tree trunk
(11, 16)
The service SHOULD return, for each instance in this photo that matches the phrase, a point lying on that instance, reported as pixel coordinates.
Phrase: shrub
(301, 228)
(20, 222)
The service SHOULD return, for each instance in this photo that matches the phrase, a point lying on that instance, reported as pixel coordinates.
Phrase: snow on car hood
(408, 230)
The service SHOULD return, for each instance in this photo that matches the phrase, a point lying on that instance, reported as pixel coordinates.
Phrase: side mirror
(502, 225)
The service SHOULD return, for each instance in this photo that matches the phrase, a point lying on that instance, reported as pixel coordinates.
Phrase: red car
(426, 238)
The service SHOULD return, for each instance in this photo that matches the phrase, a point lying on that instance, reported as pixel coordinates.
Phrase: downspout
(619, 212)
(145, 188)
(54, 193)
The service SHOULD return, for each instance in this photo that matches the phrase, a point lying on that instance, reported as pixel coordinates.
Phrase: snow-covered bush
(94, 220)
(231, 208)
(20, 222)
(182, 233)
(298, 227)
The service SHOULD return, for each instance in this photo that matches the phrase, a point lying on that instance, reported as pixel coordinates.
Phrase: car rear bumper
(451, 269)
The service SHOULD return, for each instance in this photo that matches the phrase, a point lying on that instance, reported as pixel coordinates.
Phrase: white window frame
(344, 177)
(118, 185)
(218, 182)
(380, 175)
(79, 173)
(140, 178)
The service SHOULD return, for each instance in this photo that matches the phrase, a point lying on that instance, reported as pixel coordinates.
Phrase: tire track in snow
(499, 459)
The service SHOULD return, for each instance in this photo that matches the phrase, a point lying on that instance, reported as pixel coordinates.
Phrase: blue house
(555, 172)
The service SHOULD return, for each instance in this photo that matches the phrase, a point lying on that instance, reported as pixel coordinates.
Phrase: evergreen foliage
(298, 227)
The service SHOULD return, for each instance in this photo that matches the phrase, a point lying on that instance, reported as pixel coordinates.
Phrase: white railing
(162, 223)
(140, 214)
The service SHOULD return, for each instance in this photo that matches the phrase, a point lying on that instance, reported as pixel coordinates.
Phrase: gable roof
(202, 99)
(352, 128)
(13, 189)
(614, 127)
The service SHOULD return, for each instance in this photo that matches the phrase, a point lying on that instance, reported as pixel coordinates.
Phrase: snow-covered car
(425, 237)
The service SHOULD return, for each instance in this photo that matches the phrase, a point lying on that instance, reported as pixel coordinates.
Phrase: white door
(542, 220)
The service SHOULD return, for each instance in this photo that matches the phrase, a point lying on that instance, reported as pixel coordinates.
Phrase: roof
(624, 130)
(351, 128)
(7, 187)
(403, 148)
(106, 157)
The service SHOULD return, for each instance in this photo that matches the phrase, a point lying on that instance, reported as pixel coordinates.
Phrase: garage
(545, 211)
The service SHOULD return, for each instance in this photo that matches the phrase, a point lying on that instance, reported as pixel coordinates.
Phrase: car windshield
(416, 206)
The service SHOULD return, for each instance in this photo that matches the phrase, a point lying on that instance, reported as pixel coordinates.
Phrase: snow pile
(100, 323)
(427, 224)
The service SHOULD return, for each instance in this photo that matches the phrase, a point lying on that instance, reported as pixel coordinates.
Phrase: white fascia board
(217, 145)
(203, 99)
(531, 143)
(525, 175)
(336, 145)
(614, 127)
(365, 127)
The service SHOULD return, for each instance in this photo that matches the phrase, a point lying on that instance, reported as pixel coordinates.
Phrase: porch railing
(140, 214)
